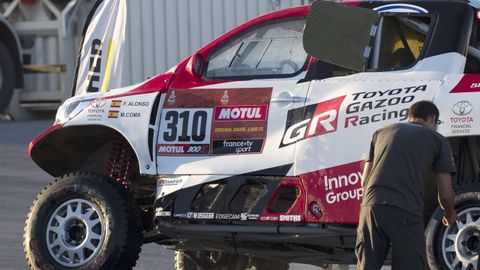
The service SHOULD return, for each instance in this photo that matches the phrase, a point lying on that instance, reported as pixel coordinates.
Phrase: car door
(230, 121)
(363, 92)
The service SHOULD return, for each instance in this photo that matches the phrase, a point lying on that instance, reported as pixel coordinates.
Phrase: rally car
(249, 152)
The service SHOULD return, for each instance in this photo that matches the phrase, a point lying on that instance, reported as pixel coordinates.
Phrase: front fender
(60, 150)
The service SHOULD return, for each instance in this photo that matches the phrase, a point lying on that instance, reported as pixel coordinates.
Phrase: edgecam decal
(312, 120)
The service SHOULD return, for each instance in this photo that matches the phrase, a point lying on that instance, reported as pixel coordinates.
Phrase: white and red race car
(249, 152)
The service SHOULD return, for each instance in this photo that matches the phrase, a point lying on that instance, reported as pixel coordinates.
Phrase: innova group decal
(338, 190)
(214, 121)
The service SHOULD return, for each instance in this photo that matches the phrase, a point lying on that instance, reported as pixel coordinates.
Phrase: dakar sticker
(171, 98)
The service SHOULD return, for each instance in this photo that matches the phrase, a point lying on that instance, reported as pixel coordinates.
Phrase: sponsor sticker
(195, 215)
(181, 149)
(237, 146)
(377, 106)
(136, 103)
(290, 218)
(269, 218)
(180, 215)
(160, 213)
(98, 103)
(225, 98)
(462, 121)
(169, 181)
(130, 114)
(214, 121)
(171, 98)
(342, 187)
(241, 113)
(312, 120)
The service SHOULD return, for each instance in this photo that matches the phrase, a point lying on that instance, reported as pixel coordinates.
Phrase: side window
(270, 50)
(399, 41)
(472, 65)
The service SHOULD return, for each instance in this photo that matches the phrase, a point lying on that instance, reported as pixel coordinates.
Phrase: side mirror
(198, 64)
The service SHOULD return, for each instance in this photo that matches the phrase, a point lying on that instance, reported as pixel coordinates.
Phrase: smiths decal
(312, 120)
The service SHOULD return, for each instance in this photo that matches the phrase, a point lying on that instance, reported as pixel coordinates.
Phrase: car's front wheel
(83, 221)
(456, 246)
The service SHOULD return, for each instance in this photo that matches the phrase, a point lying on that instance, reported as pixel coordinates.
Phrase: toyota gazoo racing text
(249, 152)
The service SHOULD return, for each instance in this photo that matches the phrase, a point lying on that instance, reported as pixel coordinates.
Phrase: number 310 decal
(185, 126)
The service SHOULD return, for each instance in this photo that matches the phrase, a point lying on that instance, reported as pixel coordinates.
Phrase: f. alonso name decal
(312, 120)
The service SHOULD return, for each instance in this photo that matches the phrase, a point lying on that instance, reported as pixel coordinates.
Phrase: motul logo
(312, 120)
(241, 113)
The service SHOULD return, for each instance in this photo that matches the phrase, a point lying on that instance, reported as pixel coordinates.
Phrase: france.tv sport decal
(214, 121)
(402, 8)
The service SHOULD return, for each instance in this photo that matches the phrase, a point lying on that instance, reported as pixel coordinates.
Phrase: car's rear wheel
(7, 77)
(83, 221)
(456, 246)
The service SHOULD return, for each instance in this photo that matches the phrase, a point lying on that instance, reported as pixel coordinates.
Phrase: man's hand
(450, 218)
(446, 198)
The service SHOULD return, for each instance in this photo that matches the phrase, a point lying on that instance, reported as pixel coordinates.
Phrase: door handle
(288, 99)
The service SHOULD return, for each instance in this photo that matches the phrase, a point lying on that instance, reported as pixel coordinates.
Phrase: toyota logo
(462, 108)
(98, 103)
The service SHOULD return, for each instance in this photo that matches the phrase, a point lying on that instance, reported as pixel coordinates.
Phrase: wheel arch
(61, 150)
(11, 40)
(466, 153)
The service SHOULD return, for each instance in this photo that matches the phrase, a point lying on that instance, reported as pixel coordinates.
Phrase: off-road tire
(122, 231)
(7, 77)
(468, 201)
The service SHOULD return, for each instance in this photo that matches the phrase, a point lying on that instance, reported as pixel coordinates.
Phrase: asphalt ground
(21, 180)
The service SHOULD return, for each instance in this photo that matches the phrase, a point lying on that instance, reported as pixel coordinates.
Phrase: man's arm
(367, 166)
(446, 198)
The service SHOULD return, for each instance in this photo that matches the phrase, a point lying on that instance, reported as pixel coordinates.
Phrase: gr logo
(312, 120)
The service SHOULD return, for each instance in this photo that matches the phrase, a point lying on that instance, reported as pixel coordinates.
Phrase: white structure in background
(170, 30)
(160, 33)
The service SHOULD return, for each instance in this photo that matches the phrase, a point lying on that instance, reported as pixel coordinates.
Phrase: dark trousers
(381, 227)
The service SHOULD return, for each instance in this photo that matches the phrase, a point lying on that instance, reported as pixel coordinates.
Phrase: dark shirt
(401, 155)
